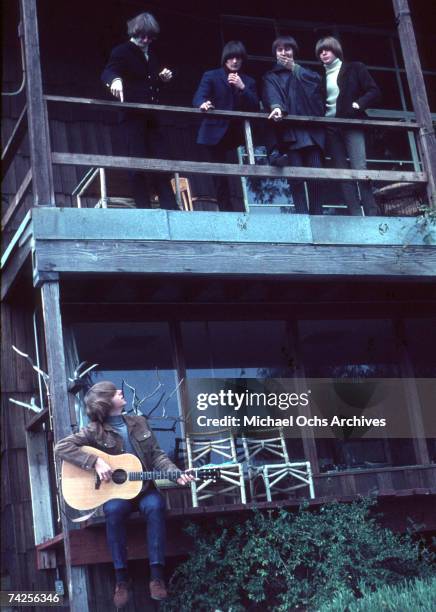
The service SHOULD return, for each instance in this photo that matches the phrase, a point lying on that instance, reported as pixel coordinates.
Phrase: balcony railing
(183, 166)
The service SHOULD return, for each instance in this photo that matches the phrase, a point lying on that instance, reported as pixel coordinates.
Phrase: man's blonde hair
(329, 43)
(143, 24)
(98, 400)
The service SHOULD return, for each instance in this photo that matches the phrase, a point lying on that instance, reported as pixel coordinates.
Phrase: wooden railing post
(76, 576)
(426, 137)
(39, 141)
(249, 142)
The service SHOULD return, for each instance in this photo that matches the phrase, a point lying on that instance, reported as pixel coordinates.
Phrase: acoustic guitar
(84, 489)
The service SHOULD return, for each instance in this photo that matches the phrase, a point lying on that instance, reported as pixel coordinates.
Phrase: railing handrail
(225, 169)
(187, 110)
(14, 142)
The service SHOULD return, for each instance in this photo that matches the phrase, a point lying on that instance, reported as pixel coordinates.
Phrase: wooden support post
(103, 187)
(308, 438)
(36, 442)
(413, 404)
(76, 577)
(426, 137)
(39, 141)
(180, 367)
(249, 142)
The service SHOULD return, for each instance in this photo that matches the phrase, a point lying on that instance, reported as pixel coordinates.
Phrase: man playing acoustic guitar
(115, 433)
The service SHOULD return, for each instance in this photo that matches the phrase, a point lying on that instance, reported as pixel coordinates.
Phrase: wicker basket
(400, 199)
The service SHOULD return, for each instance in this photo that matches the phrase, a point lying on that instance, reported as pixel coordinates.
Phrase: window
(236, 349)
(256, 34)
(421, 340)
(265, 195)
(355, 349)
(140, 354)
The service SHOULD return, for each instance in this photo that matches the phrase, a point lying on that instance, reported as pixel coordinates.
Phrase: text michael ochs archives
(246, 400)
(342, 408)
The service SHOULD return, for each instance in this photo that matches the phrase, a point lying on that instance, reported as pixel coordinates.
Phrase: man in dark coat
(132, 75)
(290, 89)
(225, 89)
(113, 432)
(348, 90)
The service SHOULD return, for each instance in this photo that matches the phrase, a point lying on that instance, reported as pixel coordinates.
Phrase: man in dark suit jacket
(348, 90)
(225, 89)
(132, 74)
(291, 89)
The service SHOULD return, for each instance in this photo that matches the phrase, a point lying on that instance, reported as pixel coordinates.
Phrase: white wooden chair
(216, 450)
(268, 465)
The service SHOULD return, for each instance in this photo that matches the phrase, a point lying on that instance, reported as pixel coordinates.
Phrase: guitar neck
(158, 475)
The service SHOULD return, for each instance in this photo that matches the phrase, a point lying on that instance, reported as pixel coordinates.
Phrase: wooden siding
(19, 382)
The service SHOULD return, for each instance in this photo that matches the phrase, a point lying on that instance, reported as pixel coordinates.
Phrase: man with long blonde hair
(133, 74)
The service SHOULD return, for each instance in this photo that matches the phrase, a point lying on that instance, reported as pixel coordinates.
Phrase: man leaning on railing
(290, 89)
(348, 90)
(225, 88)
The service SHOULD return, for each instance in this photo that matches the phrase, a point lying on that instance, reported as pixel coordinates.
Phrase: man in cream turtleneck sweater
(332, 71)
(348, 90)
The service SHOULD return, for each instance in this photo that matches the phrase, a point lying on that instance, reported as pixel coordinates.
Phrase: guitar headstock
(209, 474)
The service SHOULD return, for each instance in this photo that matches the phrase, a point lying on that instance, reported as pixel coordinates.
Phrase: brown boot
(122, 594)
(158, 590)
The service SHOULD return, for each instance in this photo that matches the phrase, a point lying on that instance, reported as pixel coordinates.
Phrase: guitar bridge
(97, 482)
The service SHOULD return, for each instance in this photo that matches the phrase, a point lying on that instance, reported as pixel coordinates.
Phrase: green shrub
(283, 561)
(414, 596)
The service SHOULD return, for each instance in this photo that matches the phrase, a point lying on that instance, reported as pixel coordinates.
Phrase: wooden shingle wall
(20, 383)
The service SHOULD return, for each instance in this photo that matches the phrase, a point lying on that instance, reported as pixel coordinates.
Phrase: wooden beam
(35, 422)
(195, 112)
(232, 259)
(307, 434)
(427, 137)
(11, 271)
(413, 403)
(18, 198)
(76, 577)
(220, 311)
(180, 367)
(37, 458)
(14, 142)
(89, 543)
(115, 224)
(190, 167)
(17, 239)
(39, 144)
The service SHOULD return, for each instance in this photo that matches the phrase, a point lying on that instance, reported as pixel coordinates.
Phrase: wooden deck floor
(88, 544)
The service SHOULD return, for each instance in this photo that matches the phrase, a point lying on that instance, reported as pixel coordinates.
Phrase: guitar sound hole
(119, 476)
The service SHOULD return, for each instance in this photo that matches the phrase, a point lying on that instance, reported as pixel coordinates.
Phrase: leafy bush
(418, 595)
(282, 561)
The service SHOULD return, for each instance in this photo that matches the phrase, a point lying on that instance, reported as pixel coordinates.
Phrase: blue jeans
(152, 506)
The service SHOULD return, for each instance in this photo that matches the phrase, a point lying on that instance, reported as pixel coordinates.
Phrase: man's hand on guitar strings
(185, 478)
(103, 469)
